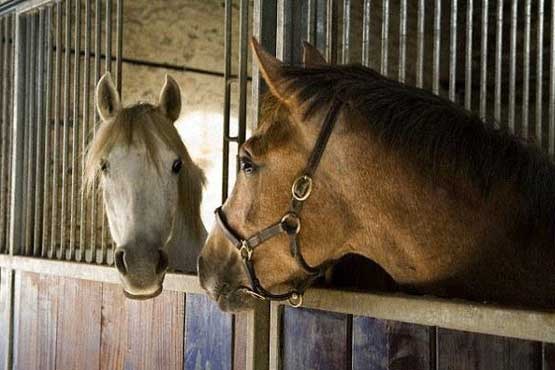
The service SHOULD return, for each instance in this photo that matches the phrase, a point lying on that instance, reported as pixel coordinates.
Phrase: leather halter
(289, 224)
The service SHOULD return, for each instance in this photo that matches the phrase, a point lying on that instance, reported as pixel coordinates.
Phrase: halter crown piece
(289, 224)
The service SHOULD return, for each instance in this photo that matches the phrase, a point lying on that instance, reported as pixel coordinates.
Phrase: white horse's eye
(176, 167)
(103, 165)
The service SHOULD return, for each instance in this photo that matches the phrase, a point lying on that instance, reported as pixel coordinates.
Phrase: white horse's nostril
(119, 259)
(162, 262)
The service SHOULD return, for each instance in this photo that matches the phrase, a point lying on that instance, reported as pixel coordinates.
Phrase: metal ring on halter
(246, 250)
(286, 227)
(302, 187)
(295, 300)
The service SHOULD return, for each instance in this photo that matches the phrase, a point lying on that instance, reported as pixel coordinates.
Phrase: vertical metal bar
(39, 164)
(366, 33)
(385, 37)
(552, 84)
(311, 23)
(119, 41)
(9, 114)
(437, 44)
(402, 40)
(228, 32)
(468, 73)
(526, 71)
(484, 60)
(539, 75)
(25, 102)
(65, 139)
(243, 59)
(56, 133)
(512, 66)
(75, 130)
(453, 51)
(284, 30)
(346, 32)
(4, 77)
(420, 44)
(331, 31)
(17, 214)
(498, 61)
(97, 50)
(48, 127)
(30, 135)
(85, 129)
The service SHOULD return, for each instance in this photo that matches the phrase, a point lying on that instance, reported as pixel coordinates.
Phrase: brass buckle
(302, 187)
(285, 226)
(296, 300)
(246, 250)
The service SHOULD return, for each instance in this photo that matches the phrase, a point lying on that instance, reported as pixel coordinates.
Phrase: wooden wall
(68, 324)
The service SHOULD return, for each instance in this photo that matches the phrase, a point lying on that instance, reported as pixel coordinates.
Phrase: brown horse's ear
(271, 69)
(312, 56)
(170, 99)
(107, 98)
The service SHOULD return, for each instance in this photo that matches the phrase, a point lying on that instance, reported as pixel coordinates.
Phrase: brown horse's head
(270, 161)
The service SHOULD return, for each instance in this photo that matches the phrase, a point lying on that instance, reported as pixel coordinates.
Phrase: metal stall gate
(495, 57)
(61, 306)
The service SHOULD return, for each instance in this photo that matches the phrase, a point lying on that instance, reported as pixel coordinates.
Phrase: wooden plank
(315, 340)
(462, 351)
(6, 299)
(208, 335)
(78, 331)
(49, 296)
(113, 346)
(26, 329)
(388, 345)
(548, 356)
(155, 332)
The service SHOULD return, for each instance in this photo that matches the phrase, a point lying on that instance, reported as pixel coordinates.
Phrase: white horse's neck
(185, 245)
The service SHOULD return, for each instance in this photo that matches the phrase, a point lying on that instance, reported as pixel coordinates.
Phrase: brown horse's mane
(443, 138)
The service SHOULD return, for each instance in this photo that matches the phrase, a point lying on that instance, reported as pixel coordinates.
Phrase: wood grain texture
(548, 356)
(208, 335)
(315, 340)
(463, 351)
(26, 319)
(155, 333)
(240, 333)
(78, 331)
(6, 278)
(390, 345)
(113, 348)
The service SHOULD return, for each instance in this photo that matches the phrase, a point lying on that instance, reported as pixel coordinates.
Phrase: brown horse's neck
(442, 237)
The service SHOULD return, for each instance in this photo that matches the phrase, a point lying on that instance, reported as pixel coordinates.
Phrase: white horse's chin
(142, 295)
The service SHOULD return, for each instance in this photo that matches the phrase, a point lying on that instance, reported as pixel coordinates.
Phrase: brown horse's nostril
(119, 259)
(162, 262)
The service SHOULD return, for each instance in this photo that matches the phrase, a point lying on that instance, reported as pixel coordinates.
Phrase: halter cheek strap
(289, 224)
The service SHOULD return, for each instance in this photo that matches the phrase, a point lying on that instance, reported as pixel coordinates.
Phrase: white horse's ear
(170, 99)
(312, 56)
(107, 98)
(271, 69)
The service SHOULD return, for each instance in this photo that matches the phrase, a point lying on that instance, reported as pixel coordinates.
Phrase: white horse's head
(152, 189)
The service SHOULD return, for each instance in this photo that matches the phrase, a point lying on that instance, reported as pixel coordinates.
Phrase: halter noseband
(289, 224)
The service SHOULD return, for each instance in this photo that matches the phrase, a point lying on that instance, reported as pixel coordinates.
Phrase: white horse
(152, 189)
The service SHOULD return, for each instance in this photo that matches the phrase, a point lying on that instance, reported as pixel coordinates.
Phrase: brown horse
(445, 203)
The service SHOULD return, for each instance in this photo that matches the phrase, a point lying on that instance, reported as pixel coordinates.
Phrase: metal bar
(65, 138)
(119, 41)
(9, 114)
(228, 32)
(47, 134)
(453, 52)
(4, 89)
(366, 33)
(346, 47)
(437, 44)
(385, 37)
(539, 75)
(311, 22)
(56, 133)
(98, 257)
(512, 66)
(243, 60)
(30, 135)
(552, 85)
(526, 71)
(284, 30)
(331, 31)
(468, 61)
(75, 131)
(403, 41)
(85, 129)
(39, 163)
(420, 43)
(484, 60)
(498, 61)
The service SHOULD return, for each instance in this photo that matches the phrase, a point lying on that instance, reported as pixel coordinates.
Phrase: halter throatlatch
(289, 224)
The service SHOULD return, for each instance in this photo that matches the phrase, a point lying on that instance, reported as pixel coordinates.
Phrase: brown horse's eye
(247, 166)
(176, 167)
(103, 165)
